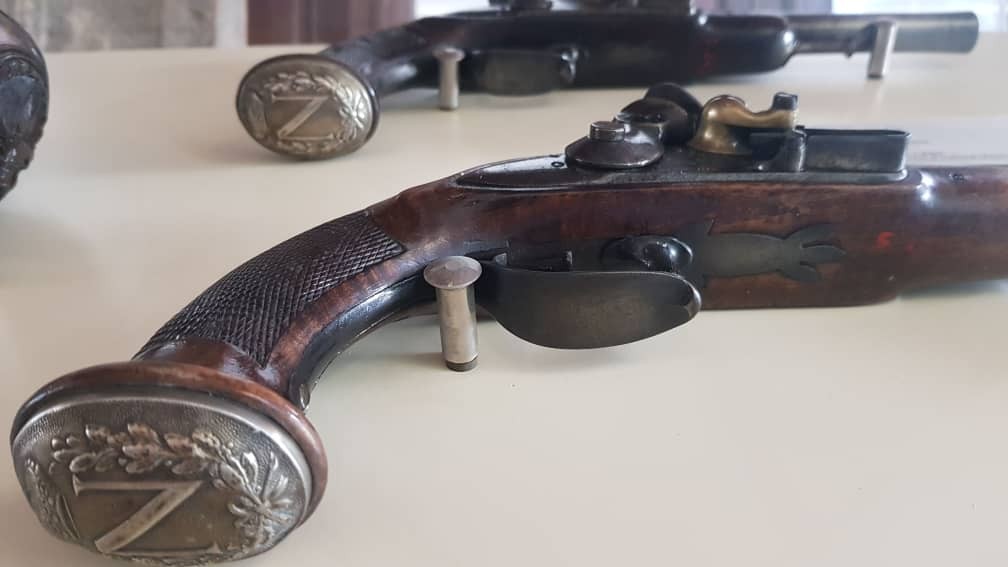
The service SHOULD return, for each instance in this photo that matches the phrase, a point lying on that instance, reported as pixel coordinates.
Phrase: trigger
(516, 72)
(585, 309)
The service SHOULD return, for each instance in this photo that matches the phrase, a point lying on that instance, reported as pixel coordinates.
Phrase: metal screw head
(607, 131)
(453, 272)
(448, 54)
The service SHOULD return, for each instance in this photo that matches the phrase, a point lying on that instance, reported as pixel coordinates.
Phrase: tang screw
(607, 131)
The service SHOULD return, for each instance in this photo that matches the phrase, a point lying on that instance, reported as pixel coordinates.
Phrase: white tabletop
(829, 437)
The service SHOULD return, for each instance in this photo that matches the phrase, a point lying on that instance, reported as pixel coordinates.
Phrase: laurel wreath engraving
(354, 111)
(50, 503)
(261, 503)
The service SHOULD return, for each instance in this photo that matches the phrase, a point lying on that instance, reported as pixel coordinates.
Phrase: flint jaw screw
(448, 71)
(453, 278)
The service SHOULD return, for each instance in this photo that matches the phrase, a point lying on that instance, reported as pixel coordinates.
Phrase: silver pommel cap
(453, 277)
(307, 106)
(161, 475)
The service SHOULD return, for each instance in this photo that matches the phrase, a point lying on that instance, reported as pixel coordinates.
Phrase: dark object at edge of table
(24, 100)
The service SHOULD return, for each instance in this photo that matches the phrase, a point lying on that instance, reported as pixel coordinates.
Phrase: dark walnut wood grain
(936, 226)
(251, 307)
(262, 334)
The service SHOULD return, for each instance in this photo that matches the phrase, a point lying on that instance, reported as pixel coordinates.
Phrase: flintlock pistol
(24, 100)
(198, 449)
(325, 105)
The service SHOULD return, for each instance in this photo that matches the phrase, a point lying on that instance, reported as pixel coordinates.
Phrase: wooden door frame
(321, 21)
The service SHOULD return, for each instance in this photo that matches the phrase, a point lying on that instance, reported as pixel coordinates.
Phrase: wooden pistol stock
(669, 206)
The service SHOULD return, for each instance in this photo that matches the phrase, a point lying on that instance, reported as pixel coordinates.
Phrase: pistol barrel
(955, 32)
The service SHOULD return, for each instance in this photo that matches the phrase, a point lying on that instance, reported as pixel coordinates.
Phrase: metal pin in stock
(448, 68)
(882, 48)
(453, 278)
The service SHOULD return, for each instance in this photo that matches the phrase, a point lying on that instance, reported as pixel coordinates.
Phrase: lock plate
(667, 138)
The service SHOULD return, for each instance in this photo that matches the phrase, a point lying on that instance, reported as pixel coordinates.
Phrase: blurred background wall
(65, 25)
(60, 25)
(302, 21)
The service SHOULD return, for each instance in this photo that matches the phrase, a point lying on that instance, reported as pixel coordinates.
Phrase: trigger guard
(585, 309)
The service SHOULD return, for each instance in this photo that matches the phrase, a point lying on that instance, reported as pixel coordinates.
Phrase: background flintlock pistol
(24, 100)
(325, 105)
(198, 450)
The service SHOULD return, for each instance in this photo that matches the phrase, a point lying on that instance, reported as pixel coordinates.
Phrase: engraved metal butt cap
(161, 475)
(307, 107)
